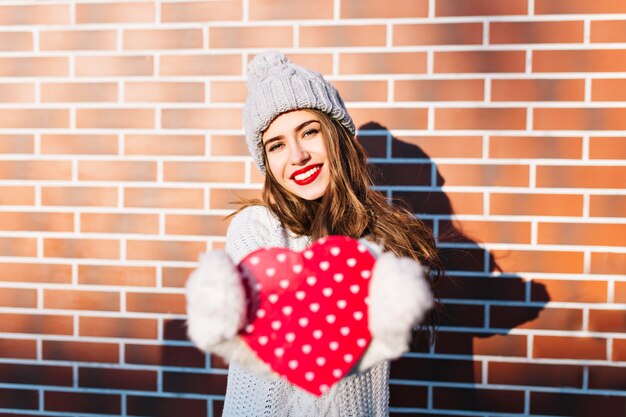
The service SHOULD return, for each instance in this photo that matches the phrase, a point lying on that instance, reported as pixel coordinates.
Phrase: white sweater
(250, 395)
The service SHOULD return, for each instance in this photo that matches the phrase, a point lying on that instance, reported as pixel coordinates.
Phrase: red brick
(620, 292)
(82, 402)
(204, 225)
(608, 31)
(127, 276)
(595, 60)
(478, 399)
(479, 8)
(33, 272)
(231, 198)
(16, 143)
(534, 374)
(19, 399)
(607, 377)
(126, 327)
(35, 14)
(119, 223)
(36, 323)
(164, 355)
(187, 382)
(580, 119)
(164, 145)
(507, 317)
(122, 379)
(17, 93)
(79, 196)
(202, 11)
(481, 344)
(18, 297)
(576, 405)
(36, 221)
(284, 9)
(80, 351)
(115, 118)
(17, 196)
(536, 32)
(15, 246)
(356, 90)
(439, 90)
(482, 289)
(462, 315)
(155, 303)
(446, 370)
(229, 91)
(480, 118)
(156, 39)
(619, 350)
(18, 348)
(578, 7)
(336, 36)
(359, 9)
(204, 171)
(142, 12)
(436, 147)
(535, 147)
(79, 144)
(391, 118)
(214, 118)
(582, 234)
(201, 65)
(484, 175)
(35, 374)
(408, 396)
(164, 92)
(175, 277)
(77, 40)
(491, 231)
(162, 407)
(609, 89)
(538, 90)
(117, 170)
(382, 63)
(251, 37)
(607, 321)
(34, 118)
(442, 203)
(164, 197)
(222, 145)
(81, 248)
(570, 291)
(36, 170)
(81, 300)
(581, 176)
(438, 34)
(114, 66)
(34, 67)
(539, 261)
(164, 250)
(561, 347)
(479, 61)
(608, 263)
(320, 62)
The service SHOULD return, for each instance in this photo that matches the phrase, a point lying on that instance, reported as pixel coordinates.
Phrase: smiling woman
(317, 185)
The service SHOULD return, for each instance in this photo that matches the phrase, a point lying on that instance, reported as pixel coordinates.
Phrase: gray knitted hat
(276, 85)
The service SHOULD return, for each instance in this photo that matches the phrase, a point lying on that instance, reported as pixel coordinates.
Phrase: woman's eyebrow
(297, 129)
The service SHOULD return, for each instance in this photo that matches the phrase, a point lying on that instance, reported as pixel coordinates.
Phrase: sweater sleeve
(252, 228)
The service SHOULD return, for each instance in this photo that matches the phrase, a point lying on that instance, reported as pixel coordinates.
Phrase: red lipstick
(307, 174)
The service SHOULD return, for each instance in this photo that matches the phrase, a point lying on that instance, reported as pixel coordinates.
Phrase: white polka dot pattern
(309, 319)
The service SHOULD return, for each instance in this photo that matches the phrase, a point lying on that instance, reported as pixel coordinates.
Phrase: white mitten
(216, 310)
(399, 298)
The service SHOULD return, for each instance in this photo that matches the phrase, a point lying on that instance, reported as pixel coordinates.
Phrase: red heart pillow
(308, 311)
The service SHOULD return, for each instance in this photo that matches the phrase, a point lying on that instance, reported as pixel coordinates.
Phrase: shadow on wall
(475, 319)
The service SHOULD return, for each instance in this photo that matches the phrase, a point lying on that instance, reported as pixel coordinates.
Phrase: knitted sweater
(248, 394)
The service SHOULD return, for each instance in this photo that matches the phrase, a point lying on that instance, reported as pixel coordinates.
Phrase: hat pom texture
(275, 86)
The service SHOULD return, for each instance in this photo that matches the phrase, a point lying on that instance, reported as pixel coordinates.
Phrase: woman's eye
(274, 146)
(310, 132)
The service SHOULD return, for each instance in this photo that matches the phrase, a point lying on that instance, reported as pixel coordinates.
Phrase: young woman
(317, 184)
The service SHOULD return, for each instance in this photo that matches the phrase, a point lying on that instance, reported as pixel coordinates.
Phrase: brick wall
(501, 122)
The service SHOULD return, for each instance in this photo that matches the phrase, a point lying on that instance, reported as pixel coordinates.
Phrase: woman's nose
(298, 155)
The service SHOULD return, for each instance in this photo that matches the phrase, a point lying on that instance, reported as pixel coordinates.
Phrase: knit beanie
(277, 85)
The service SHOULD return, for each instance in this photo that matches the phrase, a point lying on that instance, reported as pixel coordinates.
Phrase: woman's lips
(306, 175)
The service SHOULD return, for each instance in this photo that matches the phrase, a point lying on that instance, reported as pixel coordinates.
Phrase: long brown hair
(350, 207)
